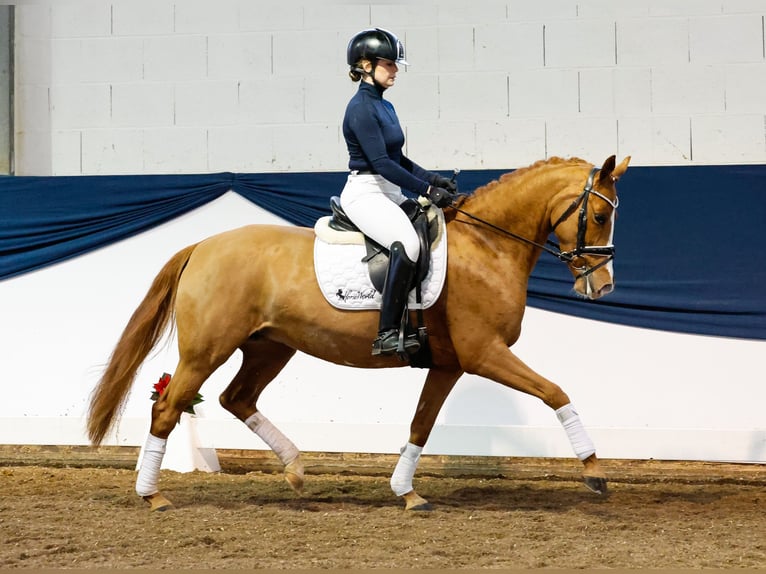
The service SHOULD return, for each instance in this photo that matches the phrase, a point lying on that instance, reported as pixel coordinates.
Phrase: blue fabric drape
(688, 252)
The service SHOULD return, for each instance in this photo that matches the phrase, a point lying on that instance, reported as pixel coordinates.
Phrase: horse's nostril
(606, 289)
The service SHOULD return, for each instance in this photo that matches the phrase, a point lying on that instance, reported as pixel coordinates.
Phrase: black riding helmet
(372, 44)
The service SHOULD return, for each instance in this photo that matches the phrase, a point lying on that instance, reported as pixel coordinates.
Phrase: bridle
(580, 250)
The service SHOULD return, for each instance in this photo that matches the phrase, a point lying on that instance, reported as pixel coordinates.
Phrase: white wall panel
(416, 97)
(652, 41)
(81, 19)
(485, 94)
(745, 88)
(309, 53)
(594, 138)
(543, 93)
(143, 104)
(206, 17)
(37, 52)
(393, 16)
(66, 151)
(423, 53)
(320, 145)
(77, 106)
(326, 16)
(524, 11)
(206, 103)
(241, 148)
(726, 39)
(112, 151)
(180, 58)
(632, 91)
(109, 60)
(455, 49)
(658, 140)
(325, 99)
(456, 12)
(65, 65)
(96, 66)
(685, 7)
(130, 18)
(740, 6)
(271, 100)
(442, 145)
(271, 16)
(728, 139)
(619, 91)
(175, 150)
(688, 89)
(33, 152)
(612, 9)
(239, 56)
(510, 143)
(573, 43)
(509, 46)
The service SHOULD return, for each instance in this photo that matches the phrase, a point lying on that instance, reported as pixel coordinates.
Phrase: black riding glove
(441, 181)
(440, 197)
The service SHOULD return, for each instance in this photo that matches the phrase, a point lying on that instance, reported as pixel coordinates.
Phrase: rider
(379, 171)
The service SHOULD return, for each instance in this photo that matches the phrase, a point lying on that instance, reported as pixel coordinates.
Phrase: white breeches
(372, 203)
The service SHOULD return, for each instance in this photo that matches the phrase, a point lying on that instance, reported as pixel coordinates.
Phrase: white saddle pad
(343, 277)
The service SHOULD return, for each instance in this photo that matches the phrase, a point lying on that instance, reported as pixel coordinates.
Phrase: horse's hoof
(413, 501)
(596, 484)
(294, 476)
(158, 503)
(427, 507)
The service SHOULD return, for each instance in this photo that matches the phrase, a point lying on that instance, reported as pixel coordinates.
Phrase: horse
(254, 289)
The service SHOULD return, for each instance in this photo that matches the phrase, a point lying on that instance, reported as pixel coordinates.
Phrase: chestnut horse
(254, 289)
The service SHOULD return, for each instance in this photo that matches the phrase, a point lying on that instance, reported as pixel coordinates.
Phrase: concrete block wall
(191, 86)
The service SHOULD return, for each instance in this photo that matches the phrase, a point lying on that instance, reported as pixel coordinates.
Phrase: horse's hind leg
(262, 360)
(166, 411)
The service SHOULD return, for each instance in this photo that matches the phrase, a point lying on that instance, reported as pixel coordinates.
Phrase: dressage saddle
(377, 255)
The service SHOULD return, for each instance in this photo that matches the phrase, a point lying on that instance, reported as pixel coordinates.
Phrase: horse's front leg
(498, 363)
(438, 385)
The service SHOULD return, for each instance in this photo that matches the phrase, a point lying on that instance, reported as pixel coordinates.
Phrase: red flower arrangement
(161, 385)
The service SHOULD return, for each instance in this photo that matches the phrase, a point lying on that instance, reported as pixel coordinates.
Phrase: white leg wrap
(401, 480)
(149, 473)
(282, 446)
(578, 437)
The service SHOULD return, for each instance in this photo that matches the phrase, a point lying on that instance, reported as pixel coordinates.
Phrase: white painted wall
(163, 87)
(188, 86)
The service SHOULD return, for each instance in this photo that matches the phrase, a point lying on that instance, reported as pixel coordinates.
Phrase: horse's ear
(606, 169)
(609, 171)
(620, 170)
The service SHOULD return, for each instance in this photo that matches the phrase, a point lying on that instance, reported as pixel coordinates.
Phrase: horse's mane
(507, 177)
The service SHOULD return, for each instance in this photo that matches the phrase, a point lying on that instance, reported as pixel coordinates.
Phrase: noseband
(580, 250)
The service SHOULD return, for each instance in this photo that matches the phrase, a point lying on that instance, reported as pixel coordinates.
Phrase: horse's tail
(142, 333)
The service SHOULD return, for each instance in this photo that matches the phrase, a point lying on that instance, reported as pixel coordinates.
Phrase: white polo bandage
(581, 444)
(401, 479)
(282, 446)
(151, 461)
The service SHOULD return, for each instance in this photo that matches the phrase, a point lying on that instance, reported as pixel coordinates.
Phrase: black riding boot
(394, 297)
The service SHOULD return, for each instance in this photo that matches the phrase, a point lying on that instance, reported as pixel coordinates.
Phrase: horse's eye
(600, 218)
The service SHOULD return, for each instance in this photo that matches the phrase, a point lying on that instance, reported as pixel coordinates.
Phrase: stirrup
(387, 343)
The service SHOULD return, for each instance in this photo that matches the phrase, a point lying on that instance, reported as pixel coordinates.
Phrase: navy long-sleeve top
(375, 139)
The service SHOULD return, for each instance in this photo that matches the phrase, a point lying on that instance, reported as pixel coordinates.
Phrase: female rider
(379, 172)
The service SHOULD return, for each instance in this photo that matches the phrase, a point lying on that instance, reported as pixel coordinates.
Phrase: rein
(606, 251)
